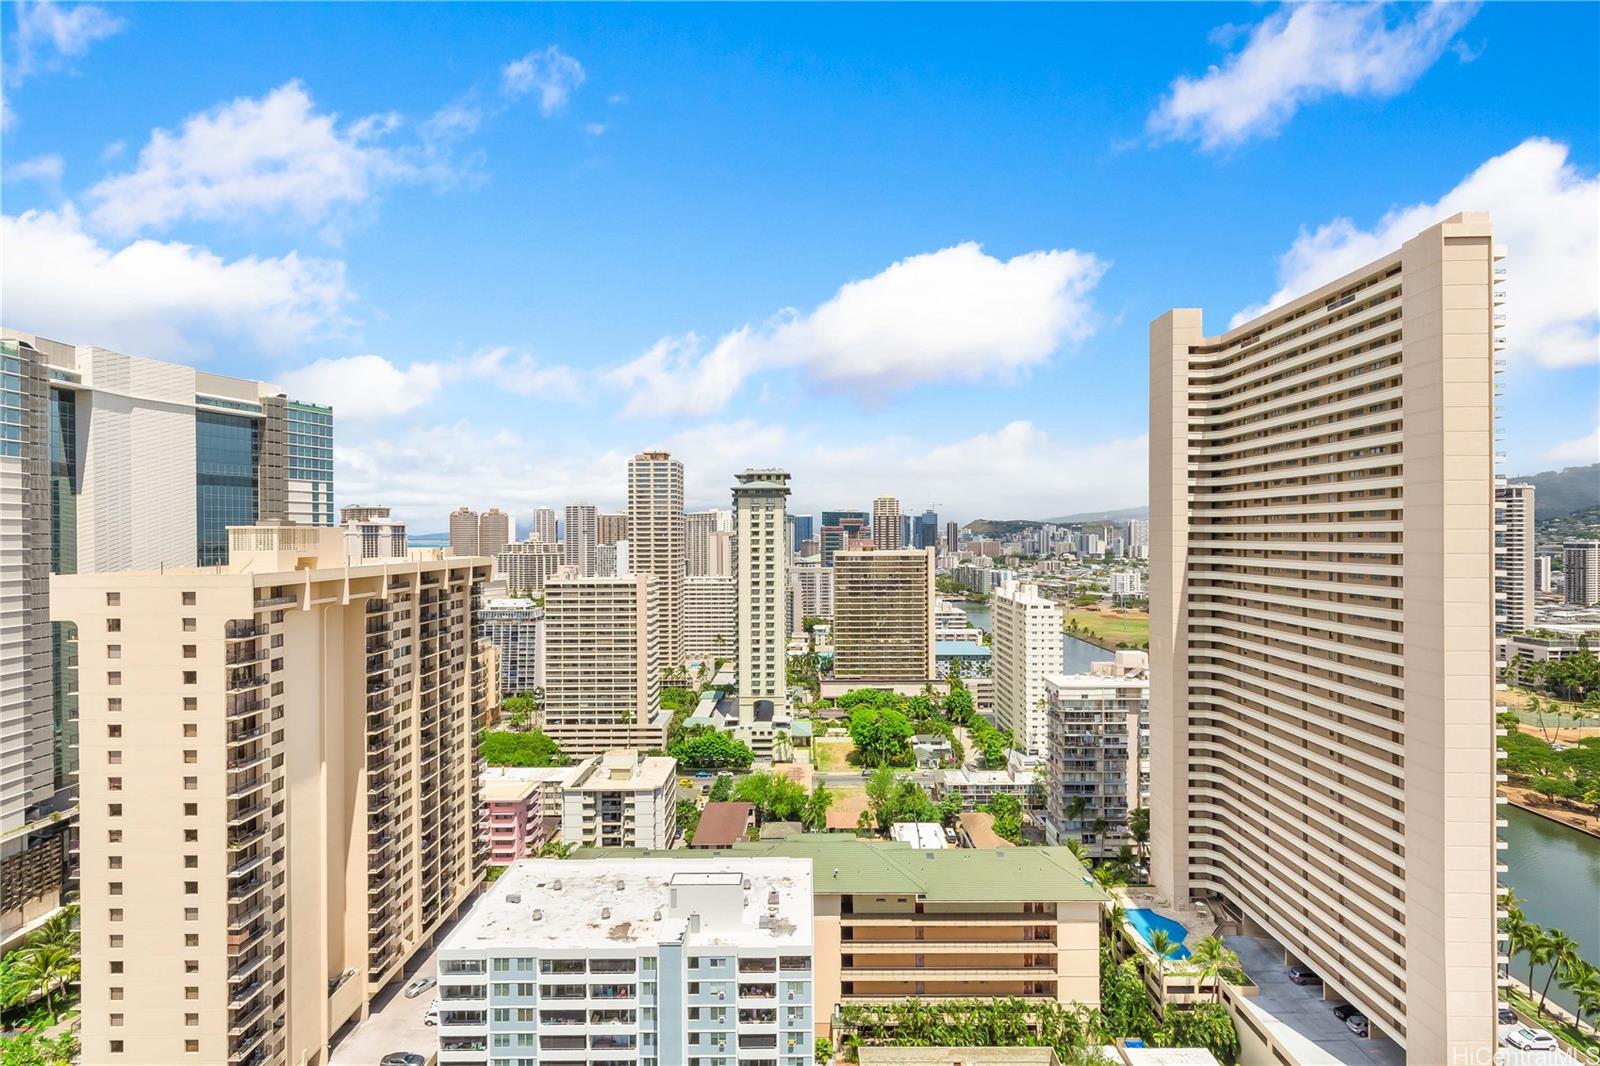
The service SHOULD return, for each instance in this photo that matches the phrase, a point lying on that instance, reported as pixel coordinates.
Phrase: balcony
(245, 684)
(246, 1044)
(247, 864)
(240, 789)
(238, 893)
(240, 630)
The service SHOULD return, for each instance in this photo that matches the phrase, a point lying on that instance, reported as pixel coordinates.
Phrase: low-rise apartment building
(515, 825)
(622, 799)
(659, 961)
(1099, 752)
(278, 790)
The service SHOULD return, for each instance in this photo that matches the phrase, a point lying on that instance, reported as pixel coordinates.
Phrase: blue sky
(900, 250)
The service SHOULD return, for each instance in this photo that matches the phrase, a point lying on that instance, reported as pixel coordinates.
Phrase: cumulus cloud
(370, 386)
(1580, 451)
(48, 36)
(1301, 53)
(273, 154)
(1015, 470)
(165, 299)
(45, 169)
(549, 72)
(955, 313)
(1545, 210)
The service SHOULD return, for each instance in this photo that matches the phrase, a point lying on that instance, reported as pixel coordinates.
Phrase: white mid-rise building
(621, 799)
(648, 961)
(763, 637)
(516, 629)
(1026, 647)
(710, 616)
(1099, 768)
(1514, 569)
(1582, 571)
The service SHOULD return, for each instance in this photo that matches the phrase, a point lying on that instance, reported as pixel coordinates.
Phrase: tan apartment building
(886, 524)
(710, 617)
(1027, 649)
(464, 531)
(1322, 632)
(655, 542)
(1514, 555)
(759, 510)
(528, 564)
(622, 799)
(495, 530)
(883, 617)
(708, 541)
(278, 790)
(610, 527)
(602, 665)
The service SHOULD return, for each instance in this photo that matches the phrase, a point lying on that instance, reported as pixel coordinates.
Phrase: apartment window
(190, 755)
(191, 809)
(189, 729)
(190, 651)
(113, 625)
(116, 991)
(114, 810)
(114, 862)
(113, 731)
(116, 964)
(192, 1046)
(113, 651)
(191, 992)
(115, 915)
(115, 1021)
(191, 914)
(115, 940)
(114, 888)
(188, 599)
(191, 862)
(115, 1047)
(191, 940)
(191, 703)
(190, 784)
(191, 965)
(191, 835)
(114, 704)
(191, 888)
(190, 677)
(113, 599)
(191, 1020)
(114, 758)
(113, 836)
(188, 625)
(113, 677)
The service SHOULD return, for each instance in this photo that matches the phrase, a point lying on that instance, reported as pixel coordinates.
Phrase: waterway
(1076, 655)
(1555, 870)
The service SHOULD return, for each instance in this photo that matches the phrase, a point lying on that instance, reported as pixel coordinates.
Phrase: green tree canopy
(533, 748)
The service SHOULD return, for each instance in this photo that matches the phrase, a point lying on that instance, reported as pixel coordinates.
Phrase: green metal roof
(845, 864)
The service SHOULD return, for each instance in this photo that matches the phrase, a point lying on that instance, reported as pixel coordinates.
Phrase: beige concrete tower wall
(602, 665)
(883, 616)
(656, 542)
(1447, 282)
(886, 523)
(464, 531)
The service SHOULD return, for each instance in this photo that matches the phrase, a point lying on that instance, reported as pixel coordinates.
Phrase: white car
(1357, 1024)
(420, 985)
(1524, 1038)
(432, 1017)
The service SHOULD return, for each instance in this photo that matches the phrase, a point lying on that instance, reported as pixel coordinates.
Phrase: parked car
(1509, 1016)
(1527, 1038)
(1357, 1024)
(420, 985)
(1301, 975)
(1344, 1012)
(402, 1058)
(950, 836)
(432, 1017)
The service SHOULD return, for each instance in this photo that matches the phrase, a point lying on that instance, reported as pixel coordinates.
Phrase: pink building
(514, 817)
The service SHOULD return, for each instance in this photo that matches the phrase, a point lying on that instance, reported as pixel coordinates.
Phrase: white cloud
(163, 299)
(1581, 451)
(1547, 214)
(550, 72)
(48, 35)
(267, 155)
(370, 386)
(1016, 470)
(46, 169)
(1301, 53)
(954, 313)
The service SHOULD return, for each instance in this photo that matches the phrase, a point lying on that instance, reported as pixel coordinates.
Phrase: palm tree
(555, 849)
(1109, 876)
(1538, 947)
(59, 930)
(1214, 959)
(1582, 979)
(1563, 952)
(1162, 945)
(1078, 851)
(782, 748)
(46, 969)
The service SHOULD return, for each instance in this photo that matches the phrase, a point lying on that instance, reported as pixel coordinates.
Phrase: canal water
(1556, 871)
(1076, 655)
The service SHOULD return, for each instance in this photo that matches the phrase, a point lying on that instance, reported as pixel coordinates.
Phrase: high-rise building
(1544, 574)
(528, 564)
(1026, 650)
(277, 752)
(369, 533)
(463, 531)
(655, 541)
(602, 666)
(718, 951)
(610, 528)
(759, 566)
(952, 537)
(710, 616)
(886, 524)
(839, 529)
(611, 560)
(1514, 544)
(1138, 533)
(516, 628)
(579, 537)
(119, 463)
(1581, 566)
(805, 528)
(883, 616)
(495, 531)
(811, 594)
(706, 543)
(926, 532)
(1322, 631)
(1099, 726)
(544, 526)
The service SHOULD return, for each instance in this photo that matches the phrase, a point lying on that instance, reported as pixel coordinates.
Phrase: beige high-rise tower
(886, 524)
(655, 541)
(494, 531)
(544, 526)
(279, 796)
(758, 566)
(578, 538)
(883, 617)
(464, 531)
(1322, 739)
(1514, 534)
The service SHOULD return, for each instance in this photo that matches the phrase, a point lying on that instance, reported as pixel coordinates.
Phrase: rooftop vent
(515, 897)
(772, 898)
(620, 885)
(605, 912)
(747, 884)
(556, 886)
(538, 915)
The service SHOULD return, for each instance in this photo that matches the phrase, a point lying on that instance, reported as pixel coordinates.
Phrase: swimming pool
(1148, 921)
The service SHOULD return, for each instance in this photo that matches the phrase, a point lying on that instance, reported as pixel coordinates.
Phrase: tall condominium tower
(495, 531)
(1514, 543)
(886, 524)
(578, 538)
(1581, 568)
(528, 564)
(279, 798)
(655, 540)
(602, 666)
(119, 463)
(952, 537)
(1322, 635)
(759, 565)
(705, 556)
(464, 531)
(883, 616)
(544, 525)
(926, 531)
(1027, 649)
(610, 528)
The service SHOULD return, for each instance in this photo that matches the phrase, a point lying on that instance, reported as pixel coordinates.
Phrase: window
(191, 888)
(190, 677)
(116, 1046)
(113, 599)
(115, 964)
(113, 730)
(191, 940)
(191, 1020)
(190, 784)
(115, 915)
(114, 704)
(188, 625)
(188, 599)
(114, 862)
(191, 965)
(192, 1046)
(113, 651)
(191, 914)
(190, 651)
(113, 625)
(114, 810)
(191, 703)
(191, 862)
(113, 836)
(116, 991)
(115, 940)
(114, 888)
(114, 758)
(189, 809)
(189, 729)
(115, 1021)
(191, 756)
(191, 835)
(191, 992)
(113, 677)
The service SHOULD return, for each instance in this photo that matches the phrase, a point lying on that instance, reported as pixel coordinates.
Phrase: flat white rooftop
(539, 904)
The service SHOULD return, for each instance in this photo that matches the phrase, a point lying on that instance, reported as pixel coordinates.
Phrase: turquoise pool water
(1148, 921)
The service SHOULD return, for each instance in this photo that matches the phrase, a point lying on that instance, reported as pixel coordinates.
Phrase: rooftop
(507, 789)
(623, 770)
(722, 824)
(727, 900)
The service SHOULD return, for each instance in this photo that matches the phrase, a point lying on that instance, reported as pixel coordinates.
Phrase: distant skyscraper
(655, 541)
(463, 531)
(839, 528)
(310, 463)
(886, 523)
(1514, 558)
(840, 518)
(544, 525)
(805, 528)
(704, 559)
(610, 528)
(578, 538)
(526, 565)
(494, 531)
(1582, 570)
(883, 616)
(759, 565)
(1027, 649)
(952, 537)
(926, 534)
(1139, 533)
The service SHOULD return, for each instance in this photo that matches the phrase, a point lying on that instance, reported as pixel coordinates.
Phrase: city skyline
(546, 139)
